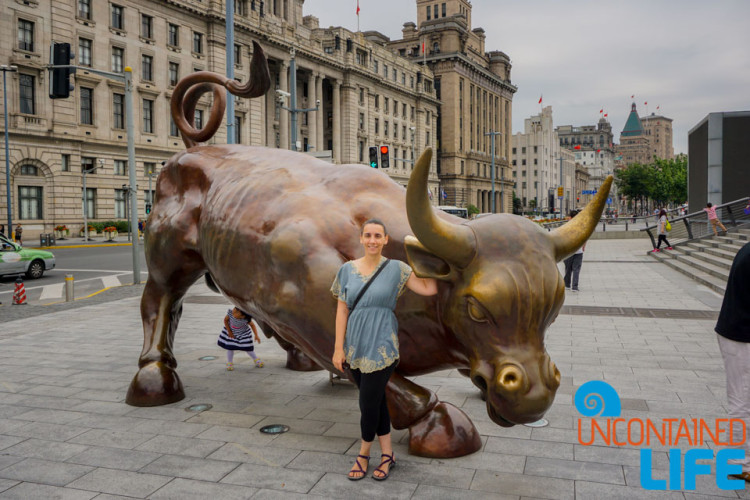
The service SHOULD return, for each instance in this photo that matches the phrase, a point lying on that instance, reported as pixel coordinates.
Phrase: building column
(320, 115)
(336, 121)
(284, 114)
(312, 116)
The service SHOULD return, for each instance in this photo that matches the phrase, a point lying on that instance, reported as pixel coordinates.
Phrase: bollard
(69, 288)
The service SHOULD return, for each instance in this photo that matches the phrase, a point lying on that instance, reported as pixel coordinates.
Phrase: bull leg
(295, 359)
(436, 429)
(156, 382)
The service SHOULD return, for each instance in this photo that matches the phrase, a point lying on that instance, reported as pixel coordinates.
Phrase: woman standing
(662, 231)
(367, 337)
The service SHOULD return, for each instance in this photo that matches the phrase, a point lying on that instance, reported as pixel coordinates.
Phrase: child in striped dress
(237, 335)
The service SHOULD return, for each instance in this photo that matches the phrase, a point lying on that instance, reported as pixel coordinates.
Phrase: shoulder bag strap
(367, 285)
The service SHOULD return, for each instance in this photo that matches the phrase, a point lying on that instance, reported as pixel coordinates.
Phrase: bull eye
(476, 312)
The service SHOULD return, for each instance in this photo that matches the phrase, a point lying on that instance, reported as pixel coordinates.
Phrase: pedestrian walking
(366, 337)
(237, 335)
(573, 265)
(19, 234)
(713, 218)
(662, 231)
(733, 334)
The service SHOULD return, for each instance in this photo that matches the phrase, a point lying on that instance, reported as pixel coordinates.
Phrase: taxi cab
(14, 259)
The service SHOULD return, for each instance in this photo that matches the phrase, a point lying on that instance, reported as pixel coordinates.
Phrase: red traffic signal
(385, 161)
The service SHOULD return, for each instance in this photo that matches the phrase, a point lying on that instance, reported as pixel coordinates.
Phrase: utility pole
(6, 69)
(230, 71)
(492, 153)
(292, 95)
(85, 199)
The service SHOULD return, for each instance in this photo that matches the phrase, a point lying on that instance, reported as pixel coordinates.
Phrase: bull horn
(572, 235)
(452, 242)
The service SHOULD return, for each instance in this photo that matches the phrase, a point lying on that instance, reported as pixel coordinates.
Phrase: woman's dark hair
(662, 213)
(373, 221)
(709, 205)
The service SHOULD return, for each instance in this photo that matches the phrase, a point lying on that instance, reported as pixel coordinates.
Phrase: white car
(14, 259)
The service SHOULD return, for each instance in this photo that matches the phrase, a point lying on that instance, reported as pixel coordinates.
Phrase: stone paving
(65, 431)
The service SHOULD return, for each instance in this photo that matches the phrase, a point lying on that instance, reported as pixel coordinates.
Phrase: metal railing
(696, 225)
(621, 223)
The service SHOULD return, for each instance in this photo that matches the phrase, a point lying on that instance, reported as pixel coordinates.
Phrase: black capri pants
(373, 408)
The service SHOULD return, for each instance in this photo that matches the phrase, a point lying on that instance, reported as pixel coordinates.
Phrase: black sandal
(359, 466)
(384, 462)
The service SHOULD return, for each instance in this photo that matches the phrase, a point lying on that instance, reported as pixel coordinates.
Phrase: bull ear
(425, 263)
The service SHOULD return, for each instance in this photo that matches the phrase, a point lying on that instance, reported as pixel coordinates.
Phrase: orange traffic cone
(19, 294)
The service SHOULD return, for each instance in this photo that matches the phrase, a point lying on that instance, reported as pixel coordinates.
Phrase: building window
(118, 111)
(29, 202)
(435, 11)
(147, 26)
(394, 73)
(523, 150)
(87, 106)
(429, 11)
(395, 108)
(84, 52)
(444, 10)
(120, 195)
(118, 17)
(385, 70)
(118, 54)
(91, 203)
(385, 105)
(197, 43)
(174, 73)
(361, 121)
(385, 128)
(173, 130)
(377, 102)
(240, 7)
(237, 55)
(148, 116)
(198, 122)
(411, 81)
(375, 65)
(147, 68)
(121, 167)
(26, 94)
(25, 35)
(84, 9)
(403, 110)
(237, 129)
(87, 164)
(395, 130)
(377, 126)
(29, 170)
(174, 35)
(403, 78)
(65, 164)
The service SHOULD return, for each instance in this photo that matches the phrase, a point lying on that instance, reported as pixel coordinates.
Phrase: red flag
(606, 114)
(577, 147)
(645, 103)
(422, 46)
(601, 111)
(632, 96)
(657, 107)
(540, 99)
(598, 150)
(357, 7)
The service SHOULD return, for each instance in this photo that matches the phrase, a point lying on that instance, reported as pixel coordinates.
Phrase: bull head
(503, 291)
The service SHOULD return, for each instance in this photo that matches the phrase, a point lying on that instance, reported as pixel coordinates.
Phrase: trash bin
(51, 239)
(43, 240)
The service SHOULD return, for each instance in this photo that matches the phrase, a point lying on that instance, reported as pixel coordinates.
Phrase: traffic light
(148, 208)
(385, 161)
(59, 82)
(374, 156)
(578, 199)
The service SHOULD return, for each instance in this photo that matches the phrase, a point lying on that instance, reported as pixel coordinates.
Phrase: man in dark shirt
(733, 329)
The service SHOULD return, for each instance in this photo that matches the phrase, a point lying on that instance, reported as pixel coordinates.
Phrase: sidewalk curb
(83, 246)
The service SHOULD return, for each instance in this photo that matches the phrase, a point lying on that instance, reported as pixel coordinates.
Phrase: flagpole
(357, 16)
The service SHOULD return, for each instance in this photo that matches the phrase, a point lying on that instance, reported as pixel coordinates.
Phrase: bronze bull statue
(271, 227)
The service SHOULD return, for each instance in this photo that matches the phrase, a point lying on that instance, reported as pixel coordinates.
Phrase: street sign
(559, 191)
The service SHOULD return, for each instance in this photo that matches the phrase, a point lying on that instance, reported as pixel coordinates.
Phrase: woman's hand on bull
(338, 359)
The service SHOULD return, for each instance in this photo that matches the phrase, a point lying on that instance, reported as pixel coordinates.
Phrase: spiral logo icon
(597, 399)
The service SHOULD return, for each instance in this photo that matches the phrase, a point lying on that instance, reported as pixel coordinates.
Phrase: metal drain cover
(199, 407)
(207, 358)
(539, 423)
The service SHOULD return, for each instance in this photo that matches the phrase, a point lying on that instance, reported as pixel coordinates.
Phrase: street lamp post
(6, 69)
(492, 153)
(292, 95)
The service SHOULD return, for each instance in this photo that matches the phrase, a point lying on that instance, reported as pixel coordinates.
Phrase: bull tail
(190, 89)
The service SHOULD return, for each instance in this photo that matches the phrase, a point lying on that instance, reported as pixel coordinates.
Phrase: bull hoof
(445, 432)
(155, 384)
(300, 362)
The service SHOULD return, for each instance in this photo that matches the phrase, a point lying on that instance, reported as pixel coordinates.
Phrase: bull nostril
(510, 378)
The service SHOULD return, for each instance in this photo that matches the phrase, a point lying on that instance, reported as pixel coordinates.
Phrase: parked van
(458, 212)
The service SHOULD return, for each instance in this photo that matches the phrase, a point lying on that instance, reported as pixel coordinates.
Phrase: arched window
(435, 48)
(29, 170)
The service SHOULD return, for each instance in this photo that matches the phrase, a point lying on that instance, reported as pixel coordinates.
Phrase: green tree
(517, 205)
(472, 209)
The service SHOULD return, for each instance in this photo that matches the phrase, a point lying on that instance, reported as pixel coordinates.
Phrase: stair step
(716, 284)
(721, 252)
(712, 269)
(717, 261)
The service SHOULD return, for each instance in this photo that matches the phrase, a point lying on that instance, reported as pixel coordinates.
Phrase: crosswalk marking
(53, 291)
(110, 281)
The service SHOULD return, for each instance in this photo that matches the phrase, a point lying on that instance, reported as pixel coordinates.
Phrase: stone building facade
(537, 160)
(475, 94)
(368, 95)
(658, 129)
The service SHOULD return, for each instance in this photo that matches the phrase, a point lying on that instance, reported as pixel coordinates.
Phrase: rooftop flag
(540, 98)
(632, 96)
(357, 7)
(605, 115)
(578, 146)
(601, 111)
(645, 103)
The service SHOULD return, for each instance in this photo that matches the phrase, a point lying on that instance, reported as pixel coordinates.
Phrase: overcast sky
(690, 57)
